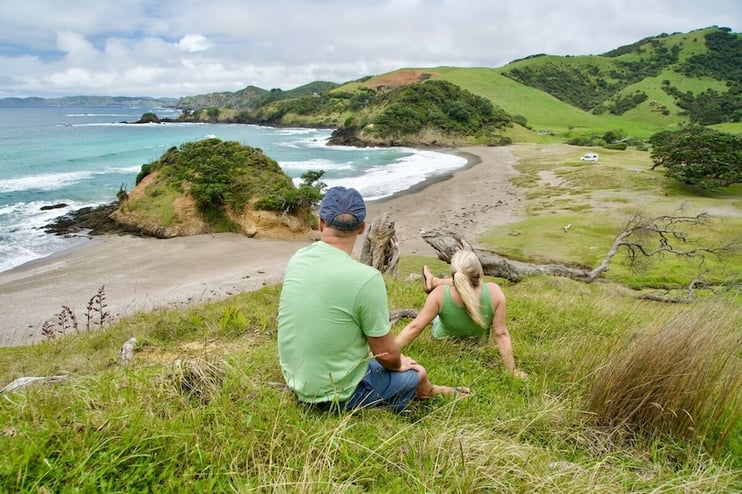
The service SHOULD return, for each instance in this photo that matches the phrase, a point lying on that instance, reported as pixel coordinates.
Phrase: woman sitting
(463, 306)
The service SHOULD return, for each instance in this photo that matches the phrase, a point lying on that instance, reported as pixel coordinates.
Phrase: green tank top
(454, 322)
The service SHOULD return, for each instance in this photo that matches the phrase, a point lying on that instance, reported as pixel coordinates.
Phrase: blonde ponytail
(467, 275)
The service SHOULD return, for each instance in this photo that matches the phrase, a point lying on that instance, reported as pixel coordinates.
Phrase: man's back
(329, 304)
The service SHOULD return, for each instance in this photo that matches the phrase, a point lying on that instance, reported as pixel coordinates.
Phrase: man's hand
(406, 363)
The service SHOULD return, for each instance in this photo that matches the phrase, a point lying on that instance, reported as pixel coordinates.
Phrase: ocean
(82, 156)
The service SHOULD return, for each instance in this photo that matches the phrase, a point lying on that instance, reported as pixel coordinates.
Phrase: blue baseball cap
(342, 208)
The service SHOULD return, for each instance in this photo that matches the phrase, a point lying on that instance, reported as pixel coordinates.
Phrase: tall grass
(679, 377)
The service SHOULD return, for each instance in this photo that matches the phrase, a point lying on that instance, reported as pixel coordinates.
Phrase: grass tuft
(681, 377)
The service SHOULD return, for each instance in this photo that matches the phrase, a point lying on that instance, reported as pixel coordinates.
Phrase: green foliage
(588, 85)
(315, 108)
(250, 98)
(233, 321)
(624, 103)
(305, 197)
(219, 175)
(611, 139)
(699, 156)
(441, 106)
(710, 106)
(143, 172)
(584, 87)
(224, 173)
(722, 61)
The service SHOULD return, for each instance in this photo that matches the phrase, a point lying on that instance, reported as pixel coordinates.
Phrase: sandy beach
(140, 274)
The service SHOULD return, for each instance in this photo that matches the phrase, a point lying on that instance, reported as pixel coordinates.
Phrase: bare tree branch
(641, 237)
(675, 300)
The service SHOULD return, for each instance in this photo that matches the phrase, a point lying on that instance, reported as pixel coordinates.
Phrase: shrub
(621, 146)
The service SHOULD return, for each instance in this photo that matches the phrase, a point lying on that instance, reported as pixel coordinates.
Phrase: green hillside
(622, 89)
(658, 83)
(542, 110)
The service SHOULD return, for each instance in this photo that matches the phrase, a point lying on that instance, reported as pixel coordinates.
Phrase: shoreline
(142, 274)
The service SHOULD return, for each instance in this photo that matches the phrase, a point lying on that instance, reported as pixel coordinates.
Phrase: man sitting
(333, 311)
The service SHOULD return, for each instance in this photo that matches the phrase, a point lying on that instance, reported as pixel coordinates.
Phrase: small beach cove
(141, 274)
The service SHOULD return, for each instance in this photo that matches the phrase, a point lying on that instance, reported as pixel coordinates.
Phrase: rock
(53, 206)
(90, 220)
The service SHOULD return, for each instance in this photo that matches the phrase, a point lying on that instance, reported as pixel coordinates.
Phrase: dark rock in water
(54, 206)
(90, 220)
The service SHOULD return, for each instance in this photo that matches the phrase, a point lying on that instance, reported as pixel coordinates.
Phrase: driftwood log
(397, 314)
(126, 352)
(446, 243)
(380, 246)
(23, 382)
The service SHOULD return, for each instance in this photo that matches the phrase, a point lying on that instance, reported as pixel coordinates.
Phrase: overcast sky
(187, 47)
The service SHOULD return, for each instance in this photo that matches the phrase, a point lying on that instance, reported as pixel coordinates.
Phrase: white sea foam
(47, 181)
(24, 238)
(383, 181)
(290, 131)
(314, 164)
(124, 169)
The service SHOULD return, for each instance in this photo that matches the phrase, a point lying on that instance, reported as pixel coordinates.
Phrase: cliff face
(187, 221)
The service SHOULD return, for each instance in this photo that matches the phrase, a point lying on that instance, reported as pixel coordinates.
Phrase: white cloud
(194, 42)
(176, 48)
(75, 46)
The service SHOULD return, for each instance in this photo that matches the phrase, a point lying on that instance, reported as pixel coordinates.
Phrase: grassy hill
(657, 83)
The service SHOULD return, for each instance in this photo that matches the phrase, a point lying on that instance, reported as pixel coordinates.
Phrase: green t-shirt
(454, 322)
(329, 303)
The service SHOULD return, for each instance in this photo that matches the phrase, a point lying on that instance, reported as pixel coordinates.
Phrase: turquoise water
(82, 156)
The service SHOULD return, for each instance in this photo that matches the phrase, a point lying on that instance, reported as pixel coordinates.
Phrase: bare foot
(427, 280)
(455, 391)
(519, 374)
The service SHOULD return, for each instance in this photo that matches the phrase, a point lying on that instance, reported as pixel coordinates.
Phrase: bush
(700, 156)
(621, 146)
(290, 200)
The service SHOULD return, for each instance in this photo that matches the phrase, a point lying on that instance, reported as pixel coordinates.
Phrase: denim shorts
(379, 388)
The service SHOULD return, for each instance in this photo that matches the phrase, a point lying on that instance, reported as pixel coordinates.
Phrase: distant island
(130, 101)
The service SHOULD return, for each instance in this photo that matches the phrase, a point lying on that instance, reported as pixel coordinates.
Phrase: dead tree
(641, 237)
(381, 247)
